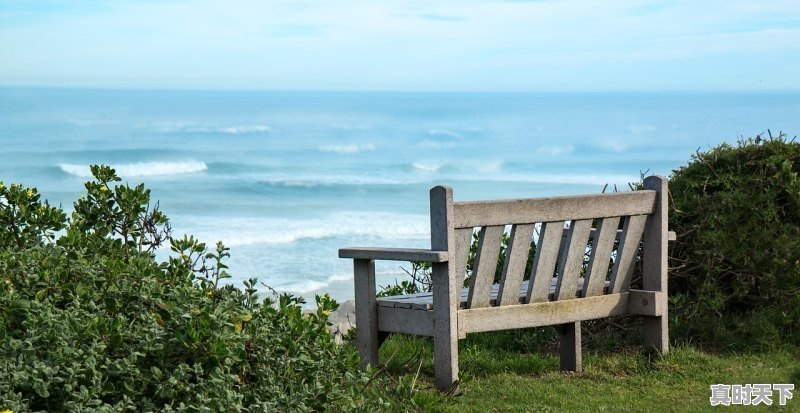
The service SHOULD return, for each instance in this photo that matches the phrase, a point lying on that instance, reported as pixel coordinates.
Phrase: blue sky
(443, 45)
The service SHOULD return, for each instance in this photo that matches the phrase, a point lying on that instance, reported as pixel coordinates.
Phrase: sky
(370, 45)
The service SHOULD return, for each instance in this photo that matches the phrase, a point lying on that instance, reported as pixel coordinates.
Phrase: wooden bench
(559, 291)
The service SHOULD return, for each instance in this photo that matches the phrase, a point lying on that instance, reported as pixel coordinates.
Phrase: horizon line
(394, 91)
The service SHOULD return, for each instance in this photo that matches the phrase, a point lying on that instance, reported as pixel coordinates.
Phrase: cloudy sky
(443, 45)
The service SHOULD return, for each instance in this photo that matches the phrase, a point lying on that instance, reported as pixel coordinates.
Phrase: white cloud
(446, 45)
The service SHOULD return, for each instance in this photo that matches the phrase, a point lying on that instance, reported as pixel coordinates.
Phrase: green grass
(518, 371)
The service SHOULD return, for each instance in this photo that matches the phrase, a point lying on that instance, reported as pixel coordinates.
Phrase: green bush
(736, 263)
(91, 320)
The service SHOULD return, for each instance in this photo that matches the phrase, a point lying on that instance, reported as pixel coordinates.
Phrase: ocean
(287, 178)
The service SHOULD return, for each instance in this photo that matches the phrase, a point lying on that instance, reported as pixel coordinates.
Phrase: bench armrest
(393, 254)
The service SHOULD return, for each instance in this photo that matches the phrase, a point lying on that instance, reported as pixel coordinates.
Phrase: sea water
(287, 178)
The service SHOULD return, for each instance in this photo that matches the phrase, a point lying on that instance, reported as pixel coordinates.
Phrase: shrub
(91, 320)
(736, 262)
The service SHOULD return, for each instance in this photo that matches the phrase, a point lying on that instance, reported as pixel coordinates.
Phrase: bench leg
(570, 347)
(656, 333)
(445, 359)
(445, 331)
(366, 312)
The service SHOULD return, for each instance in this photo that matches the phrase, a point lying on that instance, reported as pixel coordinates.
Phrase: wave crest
(172, 127)
(140, 169)
(308, 286)
(347, 149)
(241, 231)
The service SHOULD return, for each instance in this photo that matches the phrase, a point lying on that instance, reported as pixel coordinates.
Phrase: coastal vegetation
(92, 318)
(735, 269)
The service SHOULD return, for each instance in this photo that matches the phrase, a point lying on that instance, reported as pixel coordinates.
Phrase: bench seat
(424, 301)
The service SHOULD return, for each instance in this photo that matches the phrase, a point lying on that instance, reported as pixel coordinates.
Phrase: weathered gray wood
(565, 208)
(424, 301)
(366, 312)
(393, 254)
(484, 266)
(519, 245)
(626, 253)
(654, 254)
(570, 347)
(573, 261)
(563, 249)
(446, 286)
(463, 243)
(604, 237)
(550, 298)
(648, 303)
(543, 314)
(544, 263)
(398, 320)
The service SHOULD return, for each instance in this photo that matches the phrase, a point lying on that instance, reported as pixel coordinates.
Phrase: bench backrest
(567, 228)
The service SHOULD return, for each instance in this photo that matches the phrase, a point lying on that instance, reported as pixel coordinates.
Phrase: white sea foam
(432, 144)
(308, 286)
(444, 132)
(553, 150)
(303, 287)
(427, 167)
(348, 148)
(641, 129)
(311, 181)
(93, 122)
(235, 130)
(351, 127)
(485, 167)
(613, 146)
(140, 169)
(170, 127)
(243, 231)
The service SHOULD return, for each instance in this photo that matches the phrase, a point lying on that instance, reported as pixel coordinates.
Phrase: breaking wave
(241, 231)
(140, 169)
(347, 148)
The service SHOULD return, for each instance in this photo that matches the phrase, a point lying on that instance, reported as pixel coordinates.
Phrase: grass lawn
(517, 371)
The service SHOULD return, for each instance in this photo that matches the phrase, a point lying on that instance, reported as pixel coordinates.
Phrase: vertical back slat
(544, 263)
(626, 253)
(514, 267)
(604, 236)
(484, 266)
(463, 242)
(571, 266)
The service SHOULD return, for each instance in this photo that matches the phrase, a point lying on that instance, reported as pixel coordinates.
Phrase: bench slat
(543, 314)
(424, 301)
(393, 254)
(397, 320)
(604, 237)
(563, 208)
(573, 261)
(626, 253)
(544, 263)
(484, 266)
(463, 243)
(519, 245)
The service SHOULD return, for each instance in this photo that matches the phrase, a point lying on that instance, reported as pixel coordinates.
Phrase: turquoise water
(286, 179)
